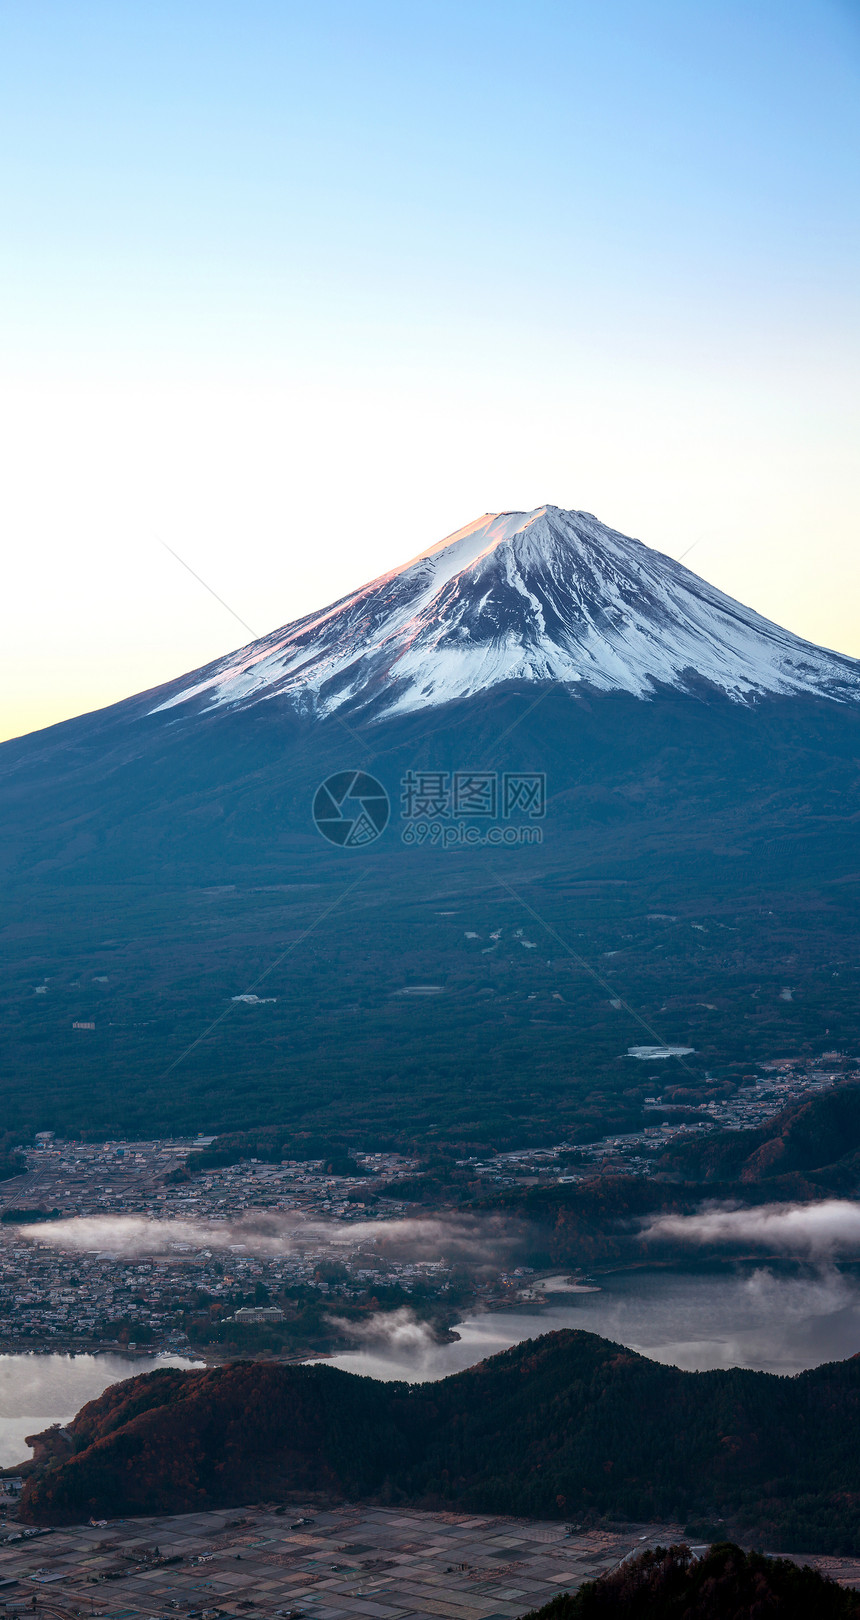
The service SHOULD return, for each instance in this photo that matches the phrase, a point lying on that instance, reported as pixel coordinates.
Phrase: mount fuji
(537, 636)
(161, 857)
(542, 596)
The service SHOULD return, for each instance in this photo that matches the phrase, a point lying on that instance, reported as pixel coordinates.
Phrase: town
(161, 1257)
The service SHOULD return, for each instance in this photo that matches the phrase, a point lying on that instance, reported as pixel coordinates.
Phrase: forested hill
(567, 1425)
(815, 1142)
(671, 1583)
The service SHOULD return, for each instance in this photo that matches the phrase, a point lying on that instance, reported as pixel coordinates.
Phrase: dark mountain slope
(818, 1139)
(565, 1425)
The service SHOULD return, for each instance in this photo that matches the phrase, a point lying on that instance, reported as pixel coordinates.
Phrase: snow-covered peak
(547, 595)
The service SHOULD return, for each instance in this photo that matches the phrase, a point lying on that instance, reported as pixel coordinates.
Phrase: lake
(38, 1390)
(777, 1320)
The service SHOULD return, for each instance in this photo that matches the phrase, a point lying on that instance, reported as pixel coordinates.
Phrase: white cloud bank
(420, 1238)
(399, 1332)
(816, 1231)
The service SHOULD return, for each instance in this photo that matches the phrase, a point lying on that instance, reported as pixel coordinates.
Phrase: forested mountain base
(699, 857)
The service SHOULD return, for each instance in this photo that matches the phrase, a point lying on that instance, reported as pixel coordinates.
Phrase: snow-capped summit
(539, 596)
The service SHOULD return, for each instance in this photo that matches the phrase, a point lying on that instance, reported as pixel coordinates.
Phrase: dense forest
(697, 859)
(568, 1425)
(671, 1583)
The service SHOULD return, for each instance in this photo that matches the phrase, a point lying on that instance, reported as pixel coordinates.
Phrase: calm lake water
(773, 1320)
(777, 1320)
(37, 1390)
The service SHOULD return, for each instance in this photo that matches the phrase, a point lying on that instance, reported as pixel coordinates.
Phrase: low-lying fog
(819, 1231)
(479, 1239)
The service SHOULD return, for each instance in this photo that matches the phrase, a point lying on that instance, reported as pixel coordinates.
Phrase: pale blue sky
(301, 289)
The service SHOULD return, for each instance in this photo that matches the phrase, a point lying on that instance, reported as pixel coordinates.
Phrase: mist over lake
(775, 1320)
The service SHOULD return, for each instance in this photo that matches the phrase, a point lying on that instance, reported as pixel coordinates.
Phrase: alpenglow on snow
(537, 596)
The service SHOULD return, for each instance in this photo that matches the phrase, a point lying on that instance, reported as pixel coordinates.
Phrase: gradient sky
(300, 289)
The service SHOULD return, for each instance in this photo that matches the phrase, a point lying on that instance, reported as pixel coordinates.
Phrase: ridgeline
(567, 1425)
